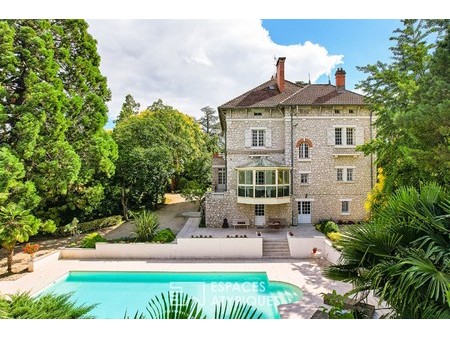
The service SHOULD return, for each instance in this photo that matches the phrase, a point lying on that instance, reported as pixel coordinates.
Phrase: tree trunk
(10, 251)
(124, 201)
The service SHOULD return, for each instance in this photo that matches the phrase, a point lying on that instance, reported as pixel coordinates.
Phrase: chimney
(340, 79)
(280, 74)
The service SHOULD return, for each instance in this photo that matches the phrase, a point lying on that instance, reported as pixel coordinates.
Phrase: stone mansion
(290, 155)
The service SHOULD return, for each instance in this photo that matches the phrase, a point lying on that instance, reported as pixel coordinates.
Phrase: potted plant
(314, 250)
(31, 249)
(291, 233)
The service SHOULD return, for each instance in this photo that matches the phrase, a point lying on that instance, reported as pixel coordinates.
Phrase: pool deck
(306, 274)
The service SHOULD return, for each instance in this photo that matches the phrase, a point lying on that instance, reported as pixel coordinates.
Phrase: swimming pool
(118, 292)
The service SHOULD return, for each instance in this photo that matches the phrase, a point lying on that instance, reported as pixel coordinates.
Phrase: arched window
(304, 148)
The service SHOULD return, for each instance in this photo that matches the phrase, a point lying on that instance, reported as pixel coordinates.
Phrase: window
(345, 174)
(263, 183)
(258, 138)
(345, 207)
(303, 150)
(349, 174)
(259, 209)
(338, 136)
(304, 178)
(257, 113)
(339, 174)
(350, 136)
(221, 176)
(337, 111)
(351, 111)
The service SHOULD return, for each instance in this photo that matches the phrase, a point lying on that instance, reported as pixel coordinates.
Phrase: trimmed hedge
(93, 225)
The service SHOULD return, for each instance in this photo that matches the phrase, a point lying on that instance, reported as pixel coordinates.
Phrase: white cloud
(190, 64)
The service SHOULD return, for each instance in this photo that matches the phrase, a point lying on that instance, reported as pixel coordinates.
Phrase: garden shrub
(89, 240)
(327, 226)
(96, 224)
(146, 225)
(164, 236)
(334, 236)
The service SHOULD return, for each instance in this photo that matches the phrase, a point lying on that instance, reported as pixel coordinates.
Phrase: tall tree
(392, 92)
(156, 145)
(87, 93)
(52, 113)
(428, 122)
(209, 123)
(129, 108)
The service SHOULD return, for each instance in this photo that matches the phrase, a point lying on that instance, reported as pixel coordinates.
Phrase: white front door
(260, 218)
(304, 212)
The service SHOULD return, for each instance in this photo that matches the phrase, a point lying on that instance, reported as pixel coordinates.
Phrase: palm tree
(182, 306)
(403, 255)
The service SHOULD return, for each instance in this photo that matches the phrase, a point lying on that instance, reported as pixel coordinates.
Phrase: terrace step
(276, 248)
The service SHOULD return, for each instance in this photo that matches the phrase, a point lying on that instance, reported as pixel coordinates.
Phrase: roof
(267, 95)
(323, 94)
(262, 162)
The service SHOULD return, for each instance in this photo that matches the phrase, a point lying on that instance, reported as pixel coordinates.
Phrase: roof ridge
(298, 91)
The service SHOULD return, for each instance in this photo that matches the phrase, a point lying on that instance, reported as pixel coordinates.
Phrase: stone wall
(312, 123)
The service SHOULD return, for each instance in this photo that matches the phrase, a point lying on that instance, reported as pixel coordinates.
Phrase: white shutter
(359, 135)
(248, 138)
(269, 138)
(330, 136)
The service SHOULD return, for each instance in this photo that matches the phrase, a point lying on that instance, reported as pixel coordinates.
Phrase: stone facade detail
(288, 126)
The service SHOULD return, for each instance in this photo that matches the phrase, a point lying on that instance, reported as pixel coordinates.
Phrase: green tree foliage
(52, 113)
(410, 98)
(209, 123)
(403, 254)
(48, 306)
(129, 108)
(17, 199)
(155, 146)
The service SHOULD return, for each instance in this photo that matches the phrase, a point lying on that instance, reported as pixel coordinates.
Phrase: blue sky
(190, 64)
(361, 42)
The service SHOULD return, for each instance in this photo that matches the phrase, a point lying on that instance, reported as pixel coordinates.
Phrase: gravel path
(169, 216)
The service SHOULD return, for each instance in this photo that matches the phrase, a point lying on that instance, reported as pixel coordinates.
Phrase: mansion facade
(290, 155)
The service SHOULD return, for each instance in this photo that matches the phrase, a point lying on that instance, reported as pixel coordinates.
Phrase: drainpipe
(225, 152)
(292, 166)
(371, 155)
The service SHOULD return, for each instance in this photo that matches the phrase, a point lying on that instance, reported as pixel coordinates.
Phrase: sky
(190, 64)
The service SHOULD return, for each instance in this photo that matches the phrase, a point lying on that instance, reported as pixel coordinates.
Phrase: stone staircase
(276, 248)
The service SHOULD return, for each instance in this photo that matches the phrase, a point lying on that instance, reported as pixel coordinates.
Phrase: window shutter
(360, 135)
(269, 138)
(248, 138)
(330, 136)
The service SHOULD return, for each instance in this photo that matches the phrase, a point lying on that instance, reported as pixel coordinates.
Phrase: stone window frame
(345, 202)
(306, 144)
(345, 174)
(308, 173)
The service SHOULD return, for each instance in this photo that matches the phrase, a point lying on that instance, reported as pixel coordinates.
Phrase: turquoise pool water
(118, 292)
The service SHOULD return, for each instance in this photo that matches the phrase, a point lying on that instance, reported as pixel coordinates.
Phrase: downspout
(292, 166)
(371, 155)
